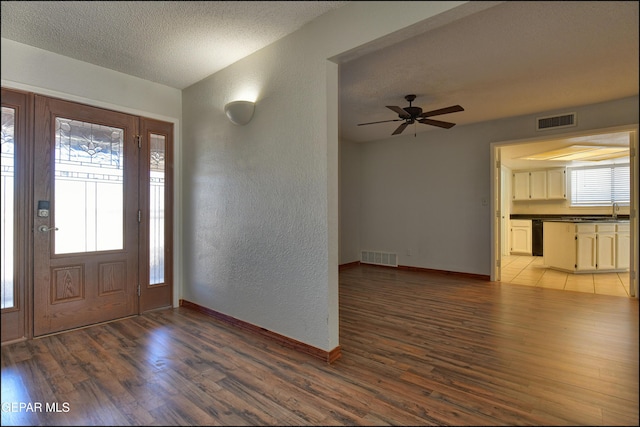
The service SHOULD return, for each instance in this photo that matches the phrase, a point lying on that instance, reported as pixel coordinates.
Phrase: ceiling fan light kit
(411, 115)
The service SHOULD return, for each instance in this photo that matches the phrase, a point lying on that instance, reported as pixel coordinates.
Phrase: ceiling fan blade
(400, 128)
(447, 110)
(438, 123)
(401, 112)
(382, 121)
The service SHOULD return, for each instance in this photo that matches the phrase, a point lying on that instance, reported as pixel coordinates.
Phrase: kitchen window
(599, 185)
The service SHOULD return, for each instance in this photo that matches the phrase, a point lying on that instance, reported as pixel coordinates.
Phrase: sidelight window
(8, 205)
(156, 208)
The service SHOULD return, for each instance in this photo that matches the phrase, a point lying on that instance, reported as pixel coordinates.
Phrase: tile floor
(530, 271)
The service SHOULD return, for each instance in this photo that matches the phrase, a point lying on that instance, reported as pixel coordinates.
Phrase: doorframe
(505, 209)
(177, 184)
(496, 188)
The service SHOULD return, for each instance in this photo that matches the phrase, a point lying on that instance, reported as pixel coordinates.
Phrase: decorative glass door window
(88, 188)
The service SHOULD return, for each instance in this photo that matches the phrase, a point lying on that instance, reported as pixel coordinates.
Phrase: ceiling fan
(411, 115)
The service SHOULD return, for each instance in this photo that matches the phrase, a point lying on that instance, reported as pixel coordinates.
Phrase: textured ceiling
(497, 59)
(512, 59)
(175, 43)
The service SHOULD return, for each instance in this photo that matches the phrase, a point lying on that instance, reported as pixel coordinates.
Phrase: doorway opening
(510, 155)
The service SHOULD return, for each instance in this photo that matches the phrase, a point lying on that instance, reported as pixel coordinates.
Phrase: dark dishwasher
(536, 237)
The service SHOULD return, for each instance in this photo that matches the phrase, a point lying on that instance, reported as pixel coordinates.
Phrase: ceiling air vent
(555, 122)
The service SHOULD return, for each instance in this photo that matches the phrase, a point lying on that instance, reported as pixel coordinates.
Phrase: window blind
(600, 185)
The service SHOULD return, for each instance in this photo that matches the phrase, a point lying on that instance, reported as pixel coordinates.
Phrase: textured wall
(256, 197)
(350, 188)
(261, 201)
(421, 197)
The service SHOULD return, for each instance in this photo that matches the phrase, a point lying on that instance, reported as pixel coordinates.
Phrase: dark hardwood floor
(417, 349)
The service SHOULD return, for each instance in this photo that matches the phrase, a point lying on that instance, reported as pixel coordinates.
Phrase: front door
(86, 215)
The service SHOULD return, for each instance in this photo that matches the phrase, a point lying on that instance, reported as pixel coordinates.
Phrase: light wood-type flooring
(531, 271)
(418, 348)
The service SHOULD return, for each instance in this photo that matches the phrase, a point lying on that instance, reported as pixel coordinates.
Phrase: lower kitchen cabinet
(586, 247)
(623, 243)
(521, 236)
(606, 247)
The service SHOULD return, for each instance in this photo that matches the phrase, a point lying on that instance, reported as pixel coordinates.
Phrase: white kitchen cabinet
(586, 247)
(623, 245)
(521, 185)
(556, 184)
(521, 236)
(538, 185)
(546, 184)
(606, 247)
(559, 245)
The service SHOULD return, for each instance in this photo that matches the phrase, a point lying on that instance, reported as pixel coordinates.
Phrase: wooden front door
(87, 224)
(86, 215)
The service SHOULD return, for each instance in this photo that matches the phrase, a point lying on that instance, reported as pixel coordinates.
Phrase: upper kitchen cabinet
(521, 186)
(557, 184)
(546, 184)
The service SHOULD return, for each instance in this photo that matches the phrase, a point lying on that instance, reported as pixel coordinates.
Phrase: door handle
(44, 228)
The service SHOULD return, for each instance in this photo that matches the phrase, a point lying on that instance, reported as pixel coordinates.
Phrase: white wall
(350, 187)
(261, 201)
(33, 69)
(421, 197)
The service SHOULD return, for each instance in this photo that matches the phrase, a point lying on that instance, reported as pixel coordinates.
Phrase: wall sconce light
(239, 112)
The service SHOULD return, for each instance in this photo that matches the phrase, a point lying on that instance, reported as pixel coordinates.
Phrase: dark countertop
(543, 217)
(589, 221)
(570, 218)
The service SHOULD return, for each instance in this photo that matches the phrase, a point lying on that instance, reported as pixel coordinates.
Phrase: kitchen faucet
(615, 210)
